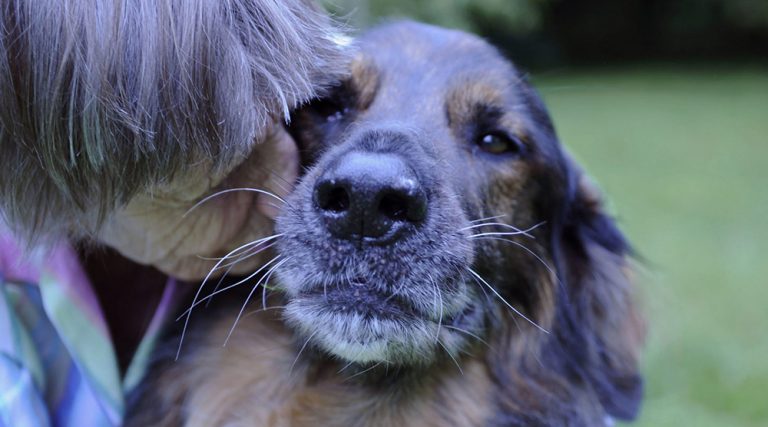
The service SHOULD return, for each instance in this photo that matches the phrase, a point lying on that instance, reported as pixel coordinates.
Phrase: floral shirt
(57, 363)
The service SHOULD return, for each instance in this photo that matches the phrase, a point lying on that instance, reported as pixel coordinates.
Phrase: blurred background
(666, 103)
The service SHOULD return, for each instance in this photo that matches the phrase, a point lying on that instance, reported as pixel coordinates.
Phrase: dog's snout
(369, 195)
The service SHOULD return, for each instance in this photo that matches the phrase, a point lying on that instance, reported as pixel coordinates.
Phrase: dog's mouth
(360, 321)
(360, 297)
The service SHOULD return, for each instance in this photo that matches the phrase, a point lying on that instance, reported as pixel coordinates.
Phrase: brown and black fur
(426, 95)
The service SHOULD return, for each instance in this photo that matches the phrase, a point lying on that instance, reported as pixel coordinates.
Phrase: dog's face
(433, 136)
(438, 210)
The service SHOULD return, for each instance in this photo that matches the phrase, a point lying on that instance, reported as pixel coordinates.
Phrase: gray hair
(101, 99)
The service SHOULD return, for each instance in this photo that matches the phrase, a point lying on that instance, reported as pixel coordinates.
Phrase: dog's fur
(406, 332)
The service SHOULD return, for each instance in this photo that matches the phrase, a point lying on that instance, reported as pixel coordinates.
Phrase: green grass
(683, 157)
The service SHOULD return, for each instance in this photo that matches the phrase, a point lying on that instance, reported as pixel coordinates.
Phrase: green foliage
(527, 15)
(522, 16)
(552, 32)
(752, 14)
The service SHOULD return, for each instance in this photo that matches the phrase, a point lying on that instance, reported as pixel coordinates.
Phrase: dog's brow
(463, 100)
(365, 81)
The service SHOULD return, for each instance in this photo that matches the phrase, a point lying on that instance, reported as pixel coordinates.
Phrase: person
(117, 119)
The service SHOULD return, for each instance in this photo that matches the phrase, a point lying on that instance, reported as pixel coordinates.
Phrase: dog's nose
(369, 195)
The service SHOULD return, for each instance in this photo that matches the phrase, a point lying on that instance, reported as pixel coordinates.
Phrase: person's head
(115, 117)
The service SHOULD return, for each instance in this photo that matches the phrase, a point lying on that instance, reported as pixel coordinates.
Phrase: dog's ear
(604, 330)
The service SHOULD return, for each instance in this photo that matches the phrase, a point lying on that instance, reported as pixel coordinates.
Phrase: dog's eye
(330, 109)
(498, 143)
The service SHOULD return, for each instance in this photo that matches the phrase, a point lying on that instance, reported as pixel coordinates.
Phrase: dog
(442, 262)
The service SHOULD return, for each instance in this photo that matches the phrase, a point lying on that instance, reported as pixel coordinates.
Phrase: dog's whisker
(489, 218)
(488, 224)
(456, 362)
(439, 320)
(249, 254)
(498, 233)
(231, 190)
(287, 205)
(265, 286)
(438, 299)
(240, 282)
(290, 371)
(282, 186)
(517, 231)
(279, 176)
(396, 291)
(531, 252)
(274, 307)
(218, 284)
(501, 298)
(345, 367)
(250, 294)
(525, 232)
(464, 331)
(197, 295)
(264, 294)
(285, 187)
(364, 371)
(254, 251)
(245, 248)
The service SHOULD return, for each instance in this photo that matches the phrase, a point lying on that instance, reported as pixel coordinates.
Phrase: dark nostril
(404, 205)
(394, 206)
(338, 200)
(331, 197)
